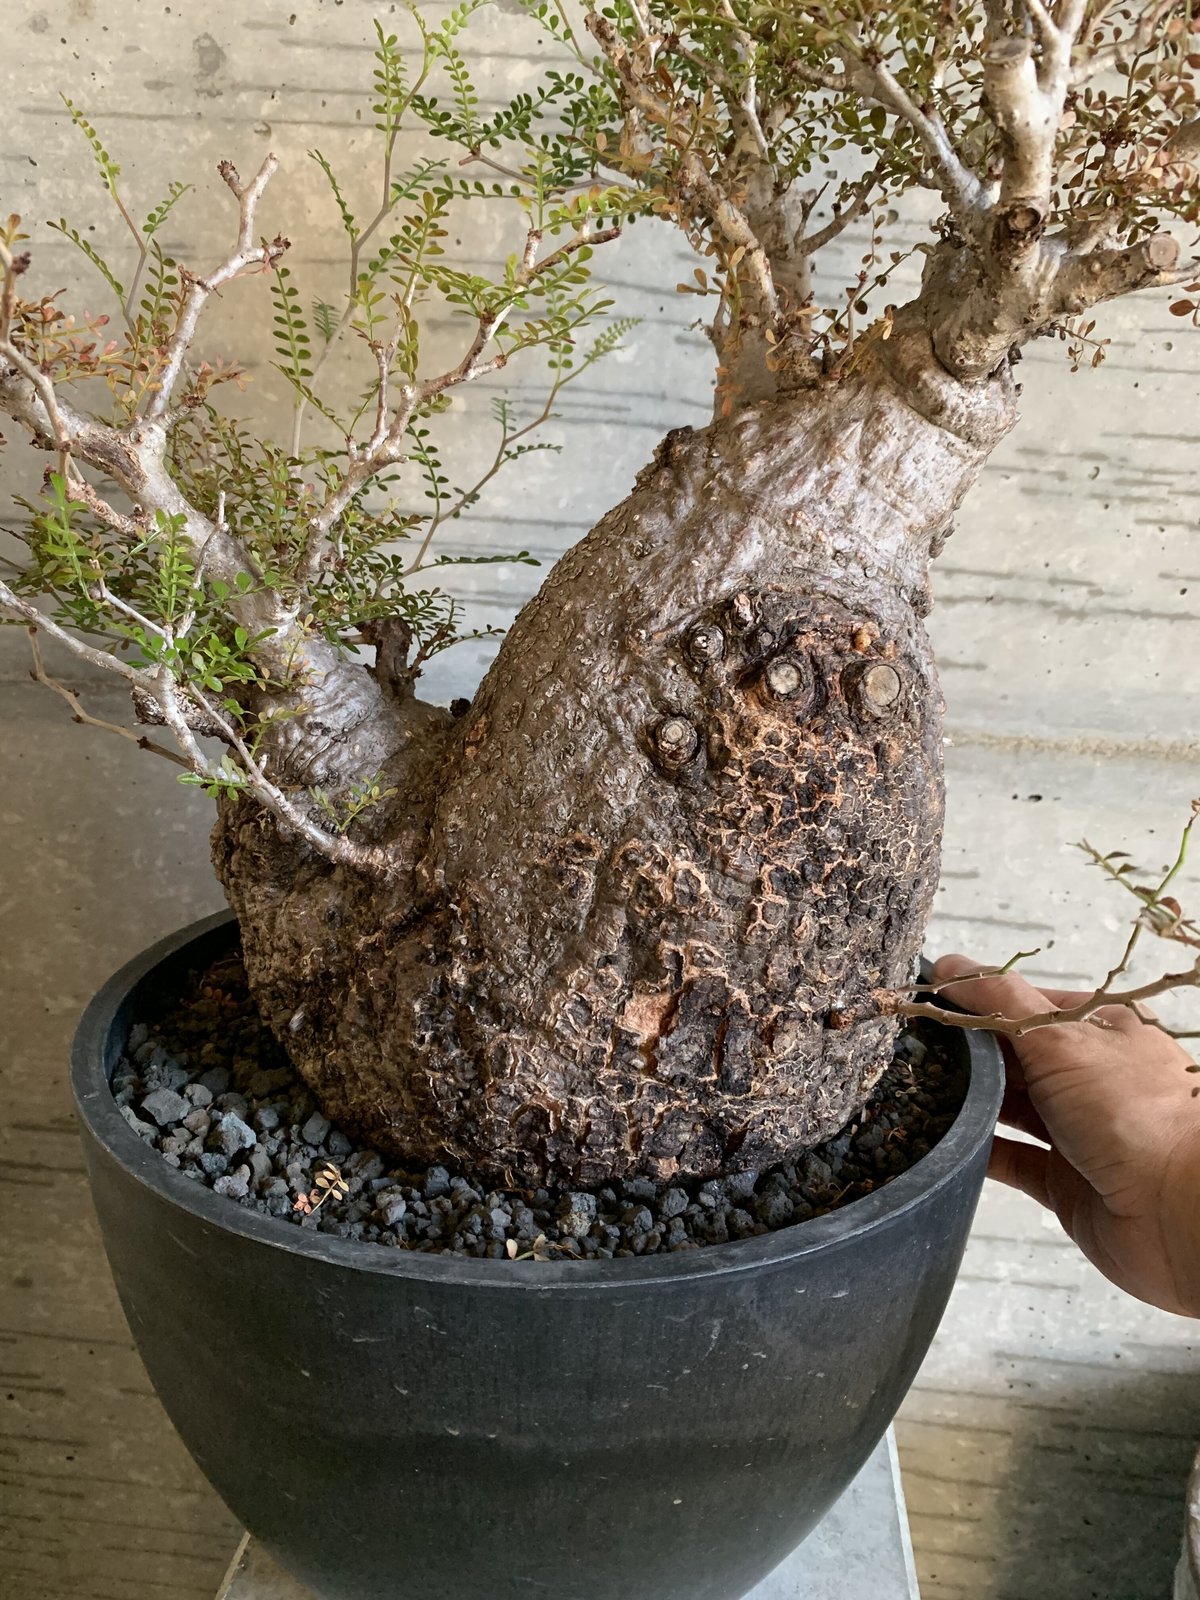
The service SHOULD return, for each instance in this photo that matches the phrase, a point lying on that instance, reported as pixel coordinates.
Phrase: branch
(386, 445)
(13, 267)
(1020, 281)
(747, 102)
(79, 714)
(1160, 914)
(1085, 280)
(1026, 113)
(1140, 40)
(694, 178)
(45, 391)
(813, 242)
(25, 611)
(959, 186)
(135, 459)
(1013, 1028)
(374, 862)
(245, 255)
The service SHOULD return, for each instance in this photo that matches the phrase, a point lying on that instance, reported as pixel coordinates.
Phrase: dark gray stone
(390, 1208)
(437, 1183)
(576, 1214)
(314, 1130)
(229, 1134)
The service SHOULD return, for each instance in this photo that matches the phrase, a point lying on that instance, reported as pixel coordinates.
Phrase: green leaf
(63, 226)
(292, 343)
(108, 169)
(158, 216)
(326, 318)
(347, 215)
(390, 82)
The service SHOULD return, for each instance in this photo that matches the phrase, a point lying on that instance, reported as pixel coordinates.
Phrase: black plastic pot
(398, 1425)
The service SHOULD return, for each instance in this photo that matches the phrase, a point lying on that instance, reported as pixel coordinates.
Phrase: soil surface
(207, 1085)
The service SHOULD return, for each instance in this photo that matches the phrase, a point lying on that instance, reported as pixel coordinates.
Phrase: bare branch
(13, 267)
(246, 254)
(1014, 1028)
(1085, 280)
(45, 390)
(79, 714)
(813, 242)
(134, 528)
(25, 611)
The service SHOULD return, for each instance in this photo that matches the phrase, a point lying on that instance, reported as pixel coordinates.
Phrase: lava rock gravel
(206, 1085)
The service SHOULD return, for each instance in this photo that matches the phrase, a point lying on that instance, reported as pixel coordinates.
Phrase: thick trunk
(690, 821)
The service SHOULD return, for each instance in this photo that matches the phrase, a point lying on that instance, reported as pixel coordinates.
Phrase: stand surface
(860, 1552)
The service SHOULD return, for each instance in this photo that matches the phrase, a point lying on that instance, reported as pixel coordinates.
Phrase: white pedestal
(860, 1552)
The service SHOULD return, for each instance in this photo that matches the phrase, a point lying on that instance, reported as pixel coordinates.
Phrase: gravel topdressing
(207, 1086)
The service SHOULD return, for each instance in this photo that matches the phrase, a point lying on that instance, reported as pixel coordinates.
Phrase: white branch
(1123, 50)
(959, 186)
(24, 611)
(246, 254)
(80, 714)
(373, 861)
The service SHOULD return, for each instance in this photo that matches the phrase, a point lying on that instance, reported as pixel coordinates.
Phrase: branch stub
(675, 741)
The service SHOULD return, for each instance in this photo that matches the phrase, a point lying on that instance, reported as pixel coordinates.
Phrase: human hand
(1114, 1110)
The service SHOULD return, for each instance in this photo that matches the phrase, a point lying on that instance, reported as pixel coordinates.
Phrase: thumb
(1001, 994)
(1046, 1053)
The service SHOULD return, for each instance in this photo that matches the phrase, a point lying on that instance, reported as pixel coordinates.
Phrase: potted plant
(641, 919)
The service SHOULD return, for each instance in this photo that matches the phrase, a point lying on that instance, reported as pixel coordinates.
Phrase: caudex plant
(651, 903)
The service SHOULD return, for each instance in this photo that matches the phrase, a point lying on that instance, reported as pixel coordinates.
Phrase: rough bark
(690, 821)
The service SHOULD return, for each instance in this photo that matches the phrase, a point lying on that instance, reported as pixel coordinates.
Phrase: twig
(49, 399)
(959, 186)
(336, 848)
(245, 254)
(1015, 1027)
(967, 977)
(1110, 55)
(80, 714)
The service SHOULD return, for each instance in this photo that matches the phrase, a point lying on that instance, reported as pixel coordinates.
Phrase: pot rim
(101, 1116)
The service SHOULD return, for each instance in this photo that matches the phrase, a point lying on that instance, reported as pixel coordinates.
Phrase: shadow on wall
(1092, 1504)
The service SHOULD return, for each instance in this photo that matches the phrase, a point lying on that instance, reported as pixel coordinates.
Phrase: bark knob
(676, 741)
(785, 678)
(876, 688)
(705, 644)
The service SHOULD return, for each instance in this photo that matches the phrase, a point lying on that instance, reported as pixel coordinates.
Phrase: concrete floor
(1046, 1443)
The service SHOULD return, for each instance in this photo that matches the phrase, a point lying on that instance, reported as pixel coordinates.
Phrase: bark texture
(690, 820)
